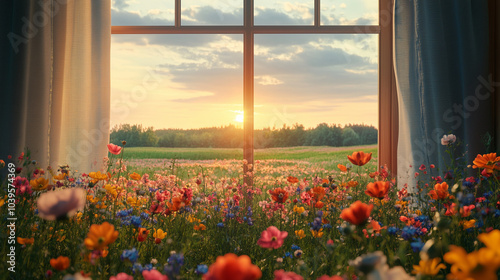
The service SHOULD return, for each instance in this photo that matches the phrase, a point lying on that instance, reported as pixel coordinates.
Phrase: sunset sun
(239, 116)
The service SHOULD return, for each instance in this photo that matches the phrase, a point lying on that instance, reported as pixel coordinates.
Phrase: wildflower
(25, 241)
(491, 240)
(369, 262)
(114, 149)
(317, 233)
(153, 274)
(61, 203)
(360, 158)
(272, 237)
(282, 275)
(326, 277)
(298, 210)
(292, 180)
(2, 164)
(122, 276)
(279, 195)
(488, 162)
(468, 224)
(440, 191)
(300, 233)
(357, 213)
(448, 139)
(481, 264)
(428, 267)
(232, 267)
(378, 189)
(100, 236)
(135, 176)
(131, 255)
(317, 193)
(39, 184)
(342, 167)
(61, 263)
(60, 177)
(98, 176)
(159, 235)
(143, 234)
(112, 190)
(200, 227)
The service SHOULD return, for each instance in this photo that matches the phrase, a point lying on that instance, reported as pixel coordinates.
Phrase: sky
(194, 81)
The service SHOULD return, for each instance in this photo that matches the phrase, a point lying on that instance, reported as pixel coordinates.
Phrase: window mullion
(248, 92)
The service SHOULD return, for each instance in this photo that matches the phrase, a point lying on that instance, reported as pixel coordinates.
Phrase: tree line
(232, 137)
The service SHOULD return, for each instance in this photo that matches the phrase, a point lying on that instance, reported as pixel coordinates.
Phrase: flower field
(162, 219)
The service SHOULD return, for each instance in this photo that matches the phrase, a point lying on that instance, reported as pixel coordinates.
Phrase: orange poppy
(319, 204)
(176, 204)
(317, 193)
(135, 176)
(232, 267)
(39, 184)
(25, 241)
(357, 213)
(61, 263)
(440, 191)
(279, 195)
(142, 235)
(378, 189)
(342, 168)
(488, 161)
(292, 180)
(360, 158)
(100, 236)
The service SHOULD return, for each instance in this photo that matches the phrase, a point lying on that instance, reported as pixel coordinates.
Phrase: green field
(311, 154)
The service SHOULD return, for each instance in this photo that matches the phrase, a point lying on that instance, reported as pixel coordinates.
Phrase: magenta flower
(282, 275)
(153, 274)
(272, 237)
(114, 149)
(121, 276)
(61, 203)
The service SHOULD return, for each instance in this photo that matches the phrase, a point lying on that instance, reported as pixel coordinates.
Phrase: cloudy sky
(193, 81)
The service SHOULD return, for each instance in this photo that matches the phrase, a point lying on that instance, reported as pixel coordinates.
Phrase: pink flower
(22, 186)
(422, 167)
(272, 237)
(121, 276)
(282, 275)
(114, 149)
(153, 274)
(448, 139)
(61, 203)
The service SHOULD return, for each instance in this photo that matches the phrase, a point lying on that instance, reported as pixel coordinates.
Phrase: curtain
(55, 72)
(443, 81)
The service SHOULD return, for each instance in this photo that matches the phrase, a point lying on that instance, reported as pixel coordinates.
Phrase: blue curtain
(443, 80)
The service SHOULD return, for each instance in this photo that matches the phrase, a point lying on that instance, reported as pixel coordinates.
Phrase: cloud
(120, 4)
(267, 80)
(207, 15)
(121, 17)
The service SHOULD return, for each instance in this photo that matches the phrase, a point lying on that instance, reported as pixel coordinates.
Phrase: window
(251, 24)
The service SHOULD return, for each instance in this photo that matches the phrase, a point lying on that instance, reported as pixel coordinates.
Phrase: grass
(311, 154)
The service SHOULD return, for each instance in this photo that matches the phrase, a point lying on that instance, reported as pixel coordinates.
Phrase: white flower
(448, 139)
(61, 203)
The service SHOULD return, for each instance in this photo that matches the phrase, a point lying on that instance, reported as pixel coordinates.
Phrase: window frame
(387, 92)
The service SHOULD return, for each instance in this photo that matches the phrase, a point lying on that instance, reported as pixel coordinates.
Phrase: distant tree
(349, 137)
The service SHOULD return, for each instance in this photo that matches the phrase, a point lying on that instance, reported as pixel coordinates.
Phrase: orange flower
(39, 184)
(61, 176)
(319, 204)
(352, 184)
(440, 191)
(135, 176)
(357, 213)
(292, 180)
(279, 195)
(317, 193)
(100, 236)
(25, 241)
(200, 227)
(142, 235)
(488, 162)
(378, 189)
(360, 158)
(342, 168)
(61, 263)
(232, 267)
(176, 204)
(98, 176)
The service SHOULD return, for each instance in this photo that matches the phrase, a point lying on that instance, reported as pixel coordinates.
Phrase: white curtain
(57, 79)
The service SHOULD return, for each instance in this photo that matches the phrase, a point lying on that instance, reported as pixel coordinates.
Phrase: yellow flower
(132, 201)
(491, 240)
(160, 234)
(60, 177)
(135, 176)
(428, 267)
(318, 233)
(2, 202)
(300, 233)
(200, 227)
(298, 210)
(98, 176)
(39, 184)
(100, 236)
(192, 219)
(25, 241)
(468, 224)
(481, 264)
(111, 189)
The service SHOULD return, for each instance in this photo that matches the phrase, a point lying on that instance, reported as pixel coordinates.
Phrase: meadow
(312, 213)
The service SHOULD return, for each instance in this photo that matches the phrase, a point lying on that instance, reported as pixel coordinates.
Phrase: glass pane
(352, 12)
(151, 12)
(309, 80)
(299, 12)
(212, 12)
(179, 82)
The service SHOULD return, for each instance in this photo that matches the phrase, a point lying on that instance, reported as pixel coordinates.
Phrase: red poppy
(279, 195)
(378, 189)
(357, 213)
(292, 180)
(360, 158)
(440, 191)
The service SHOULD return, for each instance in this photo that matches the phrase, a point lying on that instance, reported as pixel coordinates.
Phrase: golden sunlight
(239, 116)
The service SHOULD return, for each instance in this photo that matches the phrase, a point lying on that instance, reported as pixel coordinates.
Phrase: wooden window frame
(388, 109)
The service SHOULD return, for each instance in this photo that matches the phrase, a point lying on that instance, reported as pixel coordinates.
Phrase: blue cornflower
(130, 255)
(147, 267)
(122, 213)
(144, 215)
(392, 230)
(295, 247)
(230, 215)
(250, 222)
(327, 226)
(201, 269)
(417, 245)
(136, 221)
(316, 225)
(408, 232)
(137, 267)
(220, 225)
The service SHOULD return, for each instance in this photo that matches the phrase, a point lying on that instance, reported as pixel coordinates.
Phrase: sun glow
(239, 117)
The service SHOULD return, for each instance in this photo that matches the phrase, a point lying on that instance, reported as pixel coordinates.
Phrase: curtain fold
(56, 73)
(444, 87)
